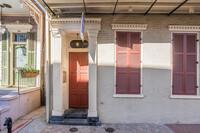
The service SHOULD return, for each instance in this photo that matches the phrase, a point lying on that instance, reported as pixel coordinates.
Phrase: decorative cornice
(74, 20)
(17, 23)
(183, 28)
(18, 26)
(34, 12)
(129, 26)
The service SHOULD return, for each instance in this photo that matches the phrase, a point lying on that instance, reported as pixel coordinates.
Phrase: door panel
(78, 80)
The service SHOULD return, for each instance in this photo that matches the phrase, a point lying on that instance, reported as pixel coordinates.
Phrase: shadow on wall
(155, 107)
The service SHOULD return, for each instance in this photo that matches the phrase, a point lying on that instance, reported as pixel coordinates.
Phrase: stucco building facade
(136, 68)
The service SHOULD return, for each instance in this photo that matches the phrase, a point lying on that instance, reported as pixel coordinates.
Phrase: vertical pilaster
(56, 49)
(92, 55)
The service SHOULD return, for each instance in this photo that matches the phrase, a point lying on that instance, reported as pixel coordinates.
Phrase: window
(24, 52)
(128, 53)
(184, 64)
(20, 37)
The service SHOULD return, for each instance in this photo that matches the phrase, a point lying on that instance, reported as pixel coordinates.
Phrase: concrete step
(76, 116)
(77, 122)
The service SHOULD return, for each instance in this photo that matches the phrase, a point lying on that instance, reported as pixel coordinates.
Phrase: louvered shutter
(184, 63)
(31, 48)
(128, 63)
(178, 71)
(5, 59)
(134, 69)
(122, 62)
(191, 66)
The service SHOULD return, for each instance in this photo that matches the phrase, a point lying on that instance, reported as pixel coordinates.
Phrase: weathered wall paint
(156, 106)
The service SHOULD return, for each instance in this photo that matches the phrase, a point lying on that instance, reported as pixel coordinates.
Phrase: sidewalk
(35, 123)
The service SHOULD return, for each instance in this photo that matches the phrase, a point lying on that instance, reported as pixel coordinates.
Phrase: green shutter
(31, 48)
(5, 59)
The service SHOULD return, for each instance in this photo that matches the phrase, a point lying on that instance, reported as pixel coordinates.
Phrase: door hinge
(197, 86)
(197, 40)
(197, 62)
(140, 39)
(140, 85)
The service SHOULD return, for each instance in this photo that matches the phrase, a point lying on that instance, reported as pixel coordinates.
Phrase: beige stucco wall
(156, 106)
(16, 106)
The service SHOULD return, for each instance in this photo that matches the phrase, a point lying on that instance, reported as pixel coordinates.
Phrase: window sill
(185, 96)
(128, 95)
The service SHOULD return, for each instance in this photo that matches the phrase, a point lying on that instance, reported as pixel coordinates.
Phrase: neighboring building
(137, 68)
(22, 43)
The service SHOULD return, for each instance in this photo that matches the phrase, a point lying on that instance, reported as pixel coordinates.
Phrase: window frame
(184, 96)
(115, 95)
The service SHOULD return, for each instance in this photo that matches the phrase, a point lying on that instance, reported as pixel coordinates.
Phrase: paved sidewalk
(118, 128)
(35, 123)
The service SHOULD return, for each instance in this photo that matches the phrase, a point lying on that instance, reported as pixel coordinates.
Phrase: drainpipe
(47, 70)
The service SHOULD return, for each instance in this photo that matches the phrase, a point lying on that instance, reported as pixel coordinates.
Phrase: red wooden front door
(78, 80)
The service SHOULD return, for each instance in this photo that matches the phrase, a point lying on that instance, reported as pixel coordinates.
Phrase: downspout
(47, 70)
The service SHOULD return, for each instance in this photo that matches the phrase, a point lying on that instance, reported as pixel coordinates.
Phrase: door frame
(68, 50)
(12, 43)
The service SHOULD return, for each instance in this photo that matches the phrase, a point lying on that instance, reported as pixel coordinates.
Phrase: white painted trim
(183, 28)
(1, 58)
(74, 20)
(18, 27)
(171, 61)
(185, 96)
(128, 95)
(141, 64)
(11, 59)
(129, 26)
(32, 89)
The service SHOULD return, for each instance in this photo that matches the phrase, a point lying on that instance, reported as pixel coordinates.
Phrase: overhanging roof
(123, 6)
(16, 10)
